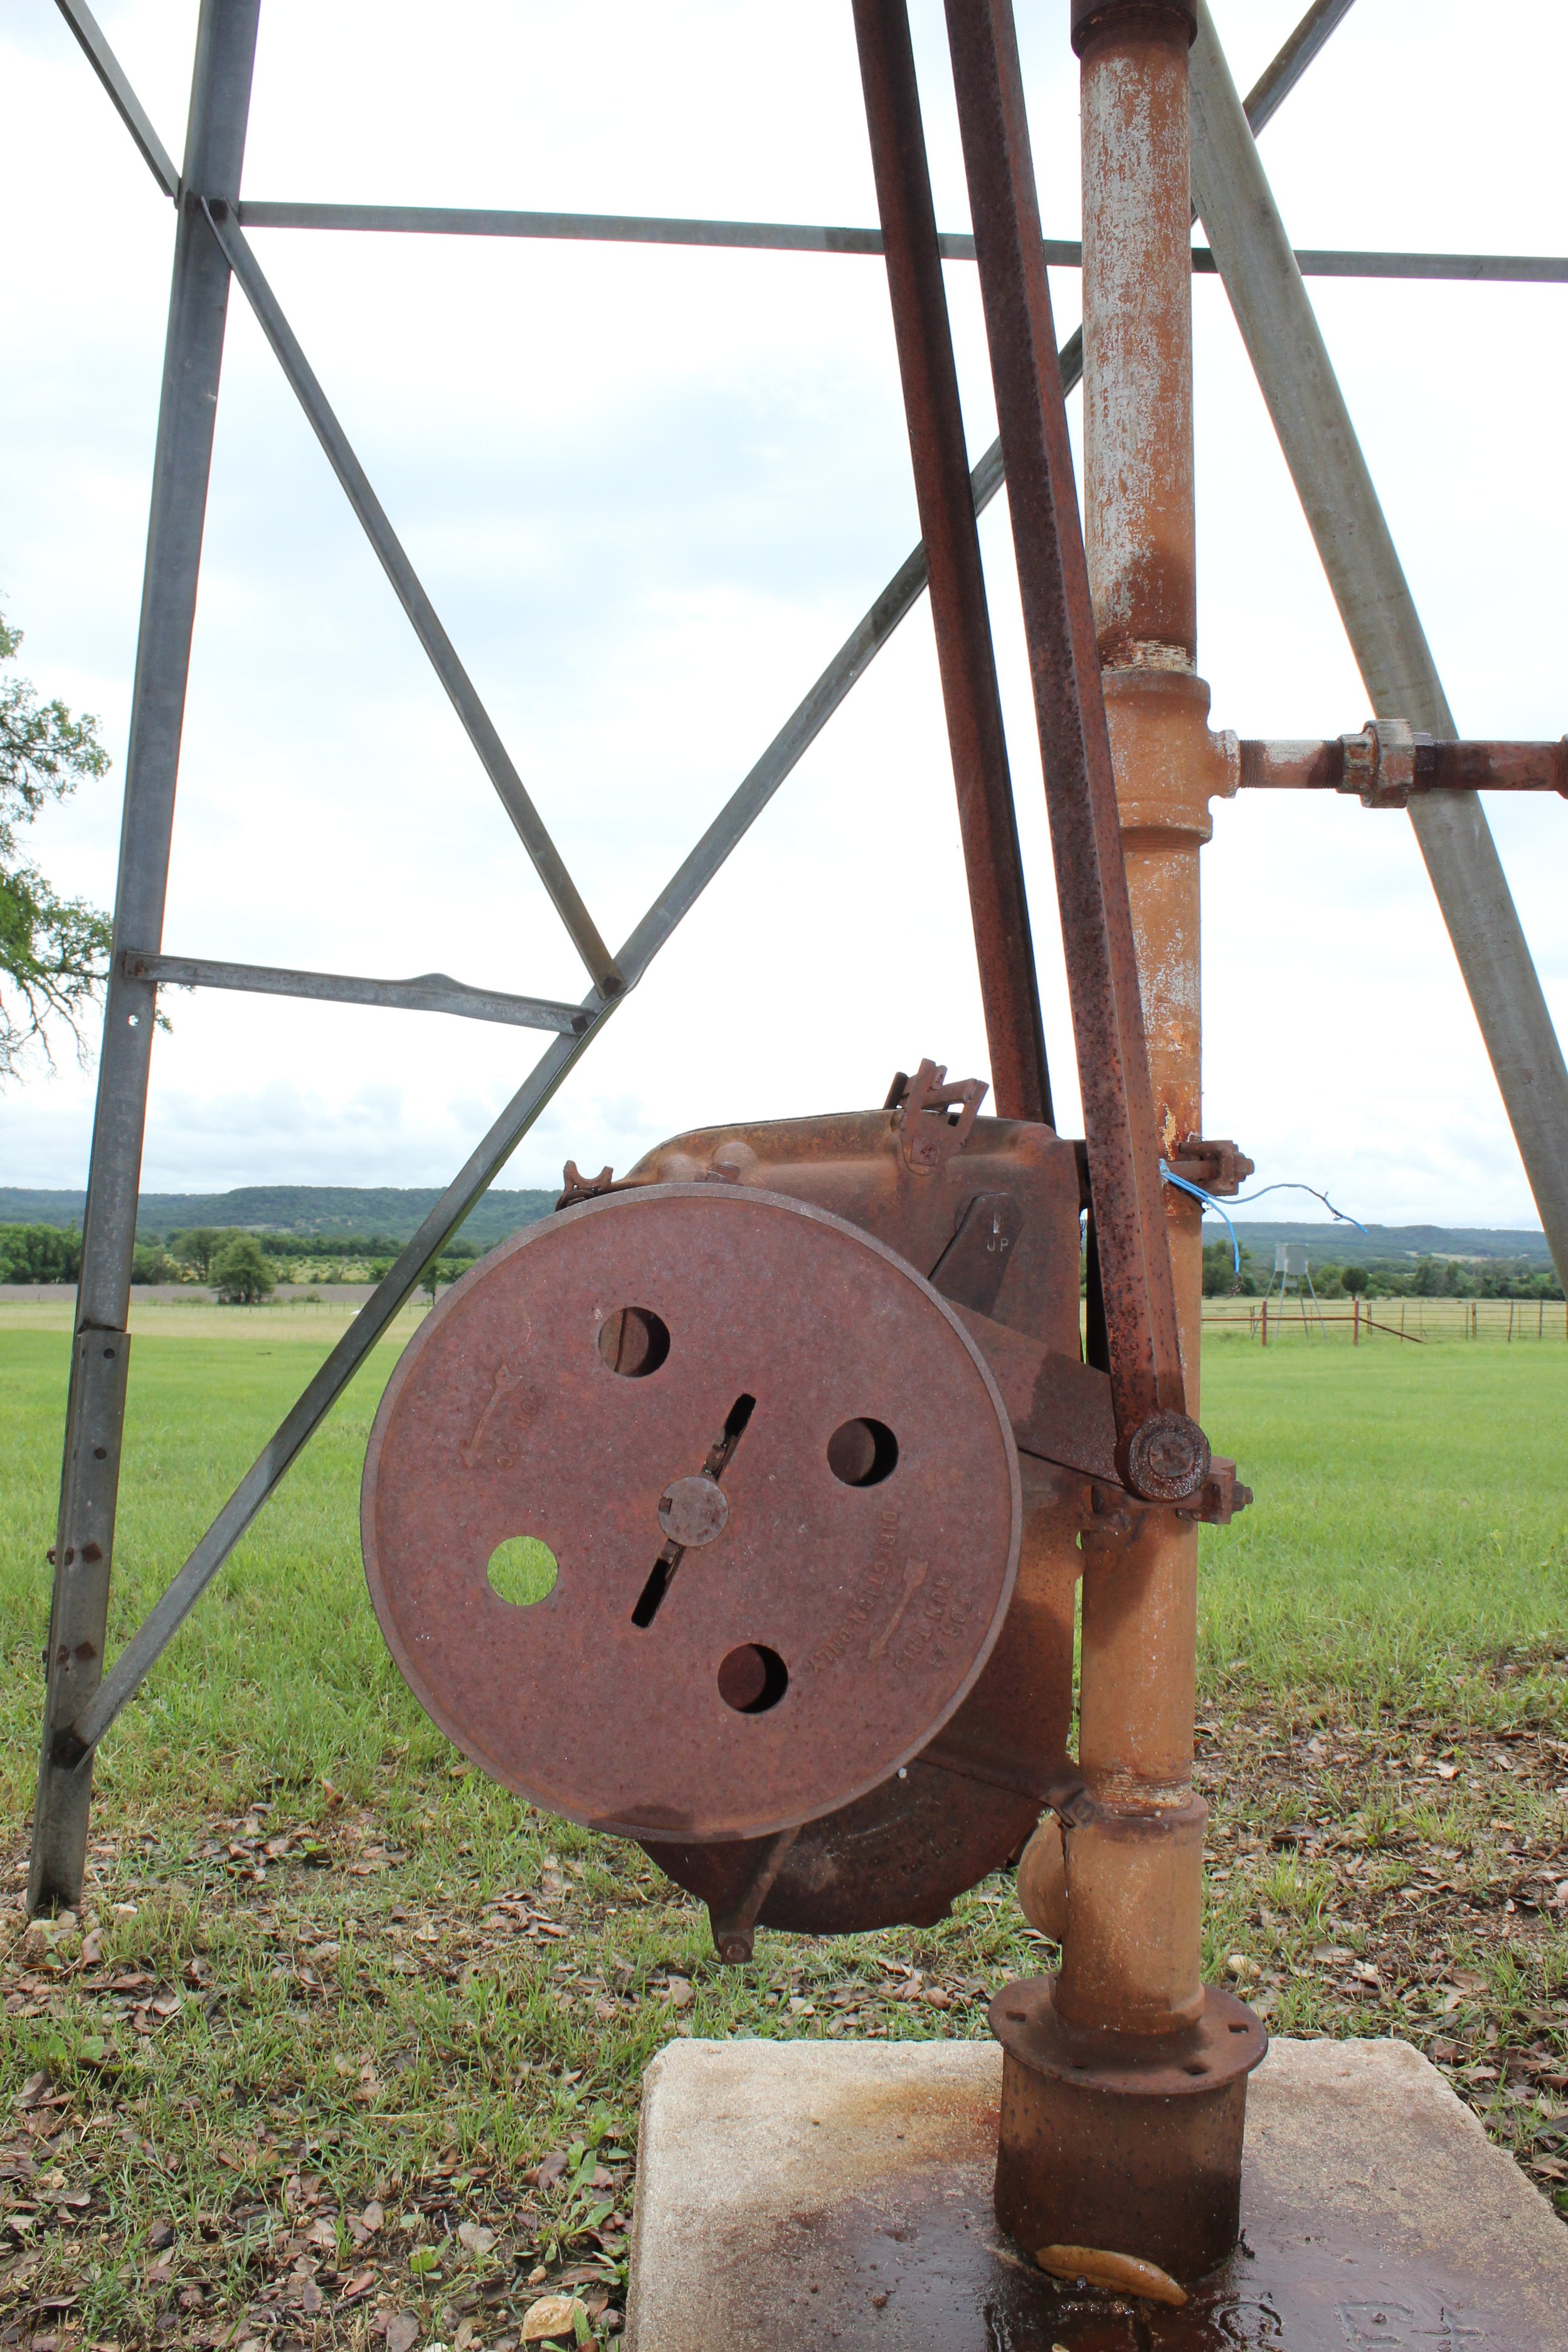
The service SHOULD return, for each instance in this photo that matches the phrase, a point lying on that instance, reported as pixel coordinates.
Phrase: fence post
(1355, 1325)
(1266, 1322)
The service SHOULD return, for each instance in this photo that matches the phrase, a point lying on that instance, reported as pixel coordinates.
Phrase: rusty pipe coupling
(1129, 17)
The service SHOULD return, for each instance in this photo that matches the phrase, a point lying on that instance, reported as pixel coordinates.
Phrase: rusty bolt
(1167, 1458)
(1220, 1496)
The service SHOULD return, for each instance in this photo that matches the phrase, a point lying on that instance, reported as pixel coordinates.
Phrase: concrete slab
(839, 2192)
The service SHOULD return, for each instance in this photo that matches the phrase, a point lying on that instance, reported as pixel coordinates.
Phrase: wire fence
(1418, 1322)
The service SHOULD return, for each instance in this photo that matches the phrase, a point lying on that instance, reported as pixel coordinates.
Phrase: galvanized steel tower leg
(1254, 257)
(214, 146)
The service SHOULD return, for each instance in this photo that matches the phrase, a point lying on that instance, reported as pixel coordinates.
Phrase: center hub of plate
(692, 1511)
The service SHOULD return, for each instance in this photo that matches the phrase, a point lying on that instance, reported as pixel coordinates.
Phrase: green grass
(1410, 1529)
(330, 1969)
(281, 1673)
(1411, 1522)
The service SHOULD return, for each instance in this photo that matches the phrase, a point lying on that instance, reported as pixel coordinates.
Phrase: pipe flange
(1226, 2041)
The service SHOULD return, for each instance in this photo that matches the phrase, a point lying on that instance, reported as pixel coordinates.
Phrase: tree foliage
(198, 1247)
(39, 1254)
(244, 1275)
(1221, 1277)
(54, 951)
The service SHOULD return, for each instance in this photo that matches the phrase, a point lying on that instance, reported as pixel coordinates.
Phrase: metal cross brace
(83, 1701)
(808, 237)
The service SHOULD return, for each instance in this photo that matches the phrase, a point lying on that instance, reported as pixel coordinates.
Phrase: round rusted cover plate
(804, 1641)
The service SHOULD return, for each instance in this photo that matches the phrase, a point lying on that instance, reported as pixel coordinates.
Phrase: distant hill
(1340, 1244)
(384, 1210)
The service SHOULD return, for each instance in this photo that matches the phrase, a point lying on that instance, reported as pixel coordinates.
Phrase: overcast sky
(649, 492)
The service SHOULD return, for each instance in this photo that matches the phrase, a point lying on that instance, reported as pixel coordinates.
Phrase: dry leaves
(553, 2316)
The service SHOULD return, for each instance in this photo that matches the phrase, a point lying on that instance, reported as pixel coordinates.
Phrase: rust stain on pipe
(1138, 333)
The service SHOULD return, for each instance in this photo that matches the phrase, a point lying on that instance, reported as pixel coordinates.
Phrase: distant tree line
(39, 1254)
(243, 1267)
(1421, 1277)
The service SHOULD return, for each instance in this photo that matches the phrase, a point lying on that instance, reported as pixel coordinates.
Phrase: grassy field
(345, 2046)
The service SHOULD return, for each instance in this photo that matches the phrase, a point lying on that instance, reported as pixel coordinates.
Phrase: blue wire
(1245, 1199)
(1342, 1214)
(1209, 1202)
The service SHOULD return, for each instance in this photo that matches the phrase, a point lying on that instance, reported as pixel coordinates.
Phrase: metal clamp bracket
(578, 1187)
(1220, 1167)
(926, 1112)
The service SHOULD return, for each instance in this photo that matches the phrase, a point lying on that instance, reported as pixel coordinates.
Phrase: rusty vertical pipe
(1131, 1958)
(1139, 527)
(988, 819)
(1123, 2090)
(1141, 537)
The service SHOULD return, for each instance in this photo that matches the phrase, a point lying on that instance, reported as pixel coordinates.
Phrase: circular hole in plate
(1080, 2065)
(1199, 2069)
(1239, 2028)
(862, 1453)
(523, 1570)
(752, 1679)
(634, 1341)
(1016, 2017)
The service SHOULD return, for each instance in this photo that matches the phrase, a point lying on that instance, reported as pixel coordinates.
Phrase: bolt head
(1168, 1458)
(692, 1511)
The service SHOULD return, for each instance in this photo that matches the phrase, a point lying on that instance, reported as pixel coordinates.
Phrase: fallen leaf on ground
(1122, 2274)
(556, 2314)
(401, 2332)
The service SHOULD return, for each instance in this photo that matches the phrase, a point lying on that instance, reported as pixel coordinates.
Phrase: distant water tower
(1292, 1267)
